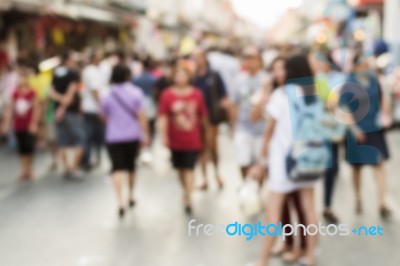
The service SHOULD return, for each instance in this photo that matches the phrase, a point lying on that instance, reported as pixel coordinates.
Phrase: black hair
(275, 84)
(22, 62)
(298, 71)
(65, 56)
(35, 67)
(148, 63)
(170, 62)
(120, 74)
(121, 54)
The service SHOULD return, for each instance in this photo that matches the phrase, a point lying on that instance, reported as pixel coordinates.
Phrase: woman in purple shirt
(126, 128)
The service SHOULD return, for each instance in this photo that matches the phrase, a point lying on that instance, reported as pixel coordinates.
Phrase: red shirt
(184, 113)
(24, 102)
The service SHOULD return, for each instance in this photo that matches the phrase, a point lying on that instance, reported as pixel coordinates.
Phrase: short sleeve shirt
(62, 79)
(23, 103)
(184, 113)
(120, 107)
(247, 91)
(92, 81)
(278, 109)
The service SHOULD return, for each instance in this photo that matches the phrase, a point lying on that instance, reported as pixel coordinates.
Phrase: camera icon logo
(357, 95)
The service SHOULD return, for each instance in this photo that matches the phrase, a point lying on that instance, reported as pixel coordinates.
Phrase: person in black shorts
(23, 114)
(126, 129)
(183, 123)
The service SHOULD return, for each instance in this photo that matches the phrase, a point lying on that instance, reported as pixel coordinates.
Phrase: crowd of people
(123, 102)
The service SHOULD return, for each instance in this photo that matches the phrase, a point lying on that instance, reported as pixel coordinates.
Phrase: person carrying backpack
(297, 156)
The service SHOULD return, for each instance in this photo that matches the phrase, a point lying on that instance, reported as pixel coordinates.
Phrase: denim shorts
(70, 131)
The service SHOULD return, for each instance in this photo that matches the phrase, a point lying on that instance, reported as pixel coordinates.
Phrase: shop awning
(72, 10)
(78, 11)
(135, 6)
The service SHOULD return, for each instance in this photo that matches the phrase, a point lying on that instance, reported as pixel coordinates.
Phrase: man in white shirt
(95, 85)
(250, 95)
(227, 66)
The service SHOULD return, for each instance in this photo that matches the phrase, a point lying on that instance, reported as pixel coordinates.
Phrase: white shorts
(247, 148)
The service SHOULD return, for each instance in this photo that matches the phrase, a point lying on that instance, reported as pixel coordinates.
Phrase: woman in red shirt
(182, 120)
(22, 113)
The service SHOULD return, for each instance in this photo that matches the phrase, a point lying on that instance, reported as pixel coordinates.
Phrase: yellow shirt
(326, 94)
(40, 83)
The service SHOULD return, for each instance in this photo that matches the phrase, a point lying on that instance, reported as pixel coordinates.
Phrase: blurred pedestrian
(250, 95)
(367, 144)
(146, 81)
(277, 144)
(51, 138)
(227, 65)
(213, 89)
(40, 83)
(290, 250)
(395, 84)
(94, 87)
(107, 64)
(183, 127)
(126, 128)
(69, 121)
(8, 83)
(165, 81)
(156, 69)
(23, 114)
(328, 79)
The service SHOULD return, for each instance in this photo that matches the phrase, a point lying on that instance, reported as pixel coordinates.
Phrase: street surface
(56, 222)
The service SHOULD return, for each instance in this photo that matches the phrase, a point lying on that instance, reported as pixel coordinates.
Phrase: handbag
(308, 157)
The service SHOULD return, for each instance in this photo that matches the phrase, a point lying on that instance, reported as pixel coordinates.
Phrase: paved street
(56, 222)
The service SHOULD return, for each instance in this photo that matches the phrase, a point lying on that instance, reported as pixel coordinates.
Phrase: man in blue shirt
(146, 81)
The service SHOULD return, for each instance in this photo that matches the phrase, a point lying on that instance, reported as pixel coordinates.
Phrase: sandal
(204, 186)
(292, 256)
(279, 251)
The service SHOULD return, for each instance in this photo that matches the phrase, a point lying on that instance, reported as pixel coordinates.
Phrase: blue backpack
(309, 156)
